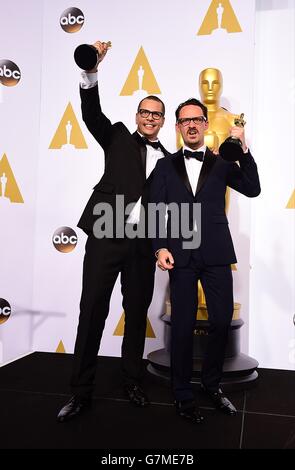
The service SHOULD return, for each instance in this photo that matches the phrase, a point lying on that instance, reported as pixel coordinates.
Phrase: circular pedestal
(239, 370)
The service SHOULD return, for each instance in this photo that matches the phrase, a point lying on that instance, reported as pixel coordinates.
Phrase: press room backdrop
(49, 162)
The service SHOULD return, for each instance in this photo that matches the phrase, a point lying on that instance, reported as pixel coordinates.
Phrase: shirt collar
(200, 149)
(142, 136)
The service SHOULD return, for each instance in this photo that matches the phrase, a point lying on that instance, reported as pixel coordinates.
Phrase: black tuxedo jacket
(171, 184)
(125, 160)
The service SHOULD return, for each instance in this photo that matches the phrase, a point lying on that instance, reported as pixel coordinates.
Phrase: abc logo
(64, 239)
(9, 73)
(71, 20)
(5, 311)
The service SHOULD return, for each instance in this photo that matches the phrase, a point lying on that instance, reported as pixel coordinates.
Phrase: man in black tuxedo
(129, 163)
(195, 175)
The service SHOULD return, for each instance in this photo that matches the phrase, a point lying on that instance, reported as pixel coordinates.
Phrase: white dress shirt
(152, 156)
(193, 167)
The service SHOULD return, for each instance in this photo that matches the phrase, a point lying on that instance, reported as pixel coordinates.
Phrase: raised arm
(97, 123)
(244, 178)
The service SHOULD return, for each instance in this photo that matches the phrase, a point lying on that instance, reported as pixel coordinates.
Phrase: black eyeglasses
(198, 120)
(155, 114)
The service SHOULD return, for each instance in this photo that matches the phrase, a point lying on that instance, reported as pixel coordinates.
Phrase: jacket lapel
(143, 153)
(179, 166)
(165, 152)
(209, 162)
(142, 148)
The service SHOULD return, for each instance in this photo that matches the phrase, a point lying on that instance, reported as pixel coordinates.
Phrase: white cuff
(88, 80)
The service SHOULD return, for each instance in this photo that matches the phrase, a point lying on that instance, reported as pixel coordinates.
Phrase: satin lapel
(165, 152)
(142, 149)
(179, 166)
(209, 162)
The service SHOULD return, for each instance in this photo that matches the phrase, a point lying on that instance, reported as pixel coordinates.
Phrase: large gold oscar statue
(220, 122)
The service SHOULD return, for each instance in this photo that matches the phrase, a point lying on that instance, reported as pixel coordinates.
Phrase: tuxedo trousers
(217, 284)
(104, 260)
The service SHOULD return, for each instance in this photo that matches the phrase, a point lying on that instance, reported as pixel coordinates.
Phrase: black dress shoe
(187, 409)
(136, 395)
(220, 401)
(73, 407)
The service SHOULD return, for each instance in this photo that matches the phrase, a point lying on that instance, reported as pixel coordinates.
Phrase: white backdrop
(20, 42)
(272, 322)
(42, 284)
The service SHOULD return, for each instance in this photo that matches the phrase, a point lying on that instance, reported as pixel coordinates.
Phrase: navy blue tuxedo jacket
(171, 185)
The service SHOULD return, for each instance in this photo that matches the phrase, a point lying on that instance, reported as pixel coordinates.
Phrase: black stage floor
(33, 388)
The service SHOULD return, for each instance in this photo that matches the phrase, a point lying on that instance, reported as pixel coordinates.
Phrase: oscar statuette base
(239, 371)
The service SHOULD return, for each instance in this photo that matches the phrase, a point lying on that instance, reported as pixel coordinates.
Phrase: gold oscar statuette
(86, 55)
(231, 149)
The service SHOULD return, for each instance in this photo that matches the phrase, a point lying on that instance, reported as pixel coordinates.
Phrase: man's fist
(102, 49)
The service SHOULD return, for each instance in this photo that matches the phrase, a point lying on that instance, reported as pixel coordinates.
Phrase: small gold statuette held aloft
(86, 55)
(239, 121)
(231, 149)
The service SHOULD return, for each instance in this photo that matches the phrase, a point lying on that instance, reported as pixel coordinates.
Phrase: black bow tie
(197, 155)
(155, 145)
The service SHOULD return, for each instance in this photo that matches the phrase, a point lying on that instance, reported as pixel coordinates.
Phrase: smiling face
(149, 126)
(193, 133)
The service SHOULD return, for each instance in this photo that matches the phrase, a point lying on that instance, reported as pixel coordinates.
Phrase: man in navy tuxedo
(195, 175)
(129, 163)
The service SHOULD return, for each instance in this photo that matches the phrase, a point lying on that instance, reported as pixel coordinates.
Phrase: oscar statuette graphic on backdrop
(220, 20)
(68, 136)
(9, 190)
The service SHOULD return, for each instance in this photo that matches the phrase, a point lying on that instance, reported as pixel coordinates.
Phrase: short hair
(194, 102)
(154, 98)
